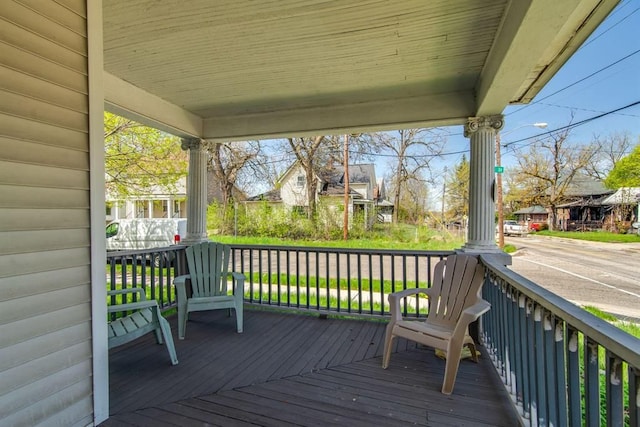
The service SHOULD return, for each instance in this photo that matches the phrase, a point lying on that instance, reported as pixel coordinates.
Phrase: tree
(309, 154)
(138, 158)
(458, 190)
(554, 162)
(626, 172)
(228, 161)
(413, 150)
(610, 150)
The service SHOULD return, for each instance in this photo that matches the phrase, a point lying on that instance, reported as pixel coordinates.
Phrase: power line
(571, 125)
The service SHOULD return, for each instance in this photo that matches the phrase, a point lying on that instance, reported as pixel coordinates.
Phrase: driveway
(604, 275)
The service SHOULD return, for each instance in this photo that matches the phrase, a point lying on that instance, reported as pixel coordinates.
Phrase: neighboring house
(582, 208)
(384, 207)
(158, 203)
(532, 215)
(625, 208)
(364, 191)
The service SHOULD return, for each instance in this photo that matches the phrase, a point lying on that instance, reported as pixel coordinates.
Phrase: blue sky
(616, 86)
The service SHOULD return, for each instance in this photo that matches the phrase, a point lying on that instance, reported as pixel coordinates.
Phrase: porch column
(482, 133)
(196, 191)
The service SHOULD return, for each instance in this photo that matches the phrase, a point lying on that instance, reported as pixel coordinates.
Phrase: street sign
(498, 169)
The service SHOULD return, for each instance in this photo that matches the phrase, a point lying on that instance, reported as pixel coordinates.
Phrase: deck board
(289, 369)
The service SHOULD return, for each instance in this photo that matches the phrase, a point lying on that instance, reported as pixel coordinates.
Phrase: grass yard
(593, 236)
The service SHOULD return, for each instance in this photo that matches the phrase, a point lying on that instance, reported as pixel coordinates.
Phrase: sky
(602, 76)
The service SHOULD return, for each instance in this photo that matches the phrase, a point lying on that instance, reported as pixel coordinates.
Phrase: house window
(301, 181)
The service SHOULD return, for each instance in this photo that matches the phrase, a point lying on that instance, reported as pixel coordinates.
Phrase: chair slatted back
(208, 268)
(456, 285)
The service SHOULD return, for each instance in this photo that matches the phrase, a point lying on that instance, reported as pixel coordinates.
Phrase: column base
(192, 240)
(486, 249)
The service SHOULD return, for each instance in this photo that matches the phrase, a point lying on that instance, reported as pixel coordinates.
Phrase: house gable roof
(536, 209)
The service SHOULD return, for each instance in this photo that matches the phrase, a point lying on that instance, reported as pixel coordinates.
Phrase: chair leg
(451, 368)
(388, 344)
(158, 332)
(239, 318)
(166, 331)
(474, 353)
(182, 320)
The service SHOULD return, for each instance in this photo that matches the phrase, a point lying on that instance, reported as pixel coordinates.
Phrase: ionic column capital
(191, 143)
(475, 124)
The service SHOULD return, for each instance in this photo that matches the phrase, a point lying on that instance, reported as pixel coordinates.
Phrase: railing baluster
(573, 374)
(382, 292)
(348, 279)
(371, 302)
(614, 390)
(634, 396)
(359, 262)
(561, 383)
(269, 281)
(338, 282)
(317, 280)
(308, 280)
(533, 389)
(591, 382)
(525, 386)
(550, 369)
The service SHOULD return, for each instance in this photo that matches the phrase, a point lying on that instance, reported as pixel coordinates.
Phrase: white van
(145, 233)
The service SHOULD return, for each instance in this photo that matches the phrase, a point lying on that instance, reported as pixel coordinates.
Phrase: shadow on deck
(288, 369)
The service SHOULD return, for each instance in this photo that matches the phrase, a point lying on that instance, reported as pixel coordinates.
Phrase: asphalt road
(604, 275)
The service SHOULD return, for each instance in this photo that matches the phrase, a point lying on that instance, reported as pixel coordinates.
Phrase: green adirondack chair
(209, 276)
(144, 317)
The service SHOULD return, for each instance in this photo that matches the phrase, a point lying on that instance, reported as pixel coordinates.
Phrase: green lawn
(593, 236)
(385, 236)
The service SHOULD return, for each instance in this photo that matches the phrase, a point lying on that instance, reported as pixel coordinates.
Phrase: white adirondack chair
(454, 302)
(209, 276)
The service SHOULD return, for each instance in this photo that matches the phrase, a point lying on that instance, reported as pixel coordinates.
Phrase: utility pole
(345, 225)
(499, 202)
(444, 193)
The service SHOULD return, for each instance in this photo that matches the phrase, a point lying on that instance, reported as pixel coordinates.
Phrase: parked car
(513, 228)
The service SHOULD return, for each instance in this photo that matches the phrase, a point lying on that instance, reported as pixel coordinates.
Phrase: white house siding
(291, 193)
(45, 274)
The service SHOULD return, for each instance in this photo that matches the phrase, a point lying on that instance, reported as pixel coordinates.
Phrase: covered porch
(295, 369)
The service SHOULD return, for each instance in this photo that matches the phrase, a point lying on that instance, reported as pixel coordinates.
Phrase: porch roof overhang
(236, 70)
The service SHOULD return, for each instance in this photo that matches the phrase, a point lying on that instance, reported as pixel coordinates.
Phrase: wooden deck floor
(288, 369)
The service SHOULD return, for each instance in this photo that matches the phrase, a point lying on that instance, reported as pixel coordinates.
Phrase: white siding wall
(45, 275)
(291, 193)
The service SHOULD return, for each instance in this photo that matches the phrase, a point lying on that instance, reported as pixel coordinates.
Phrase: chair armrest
(181, 289)
(142, 296)
(132, 306)
(238, 283)
(396, 297)
(180, 280)
(471, 314)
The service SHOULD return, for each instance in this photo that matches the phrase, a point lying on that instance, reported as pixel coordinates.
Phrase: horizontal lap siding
(45, 293)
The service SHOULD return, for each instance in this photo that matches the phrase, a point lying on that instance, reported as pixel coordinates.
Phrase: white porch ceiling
(248, 69)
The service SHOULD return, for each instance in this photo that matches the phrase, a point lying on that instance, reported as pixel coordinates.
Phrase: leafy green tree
(139, 158)
(626, 172)
(458, 190)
